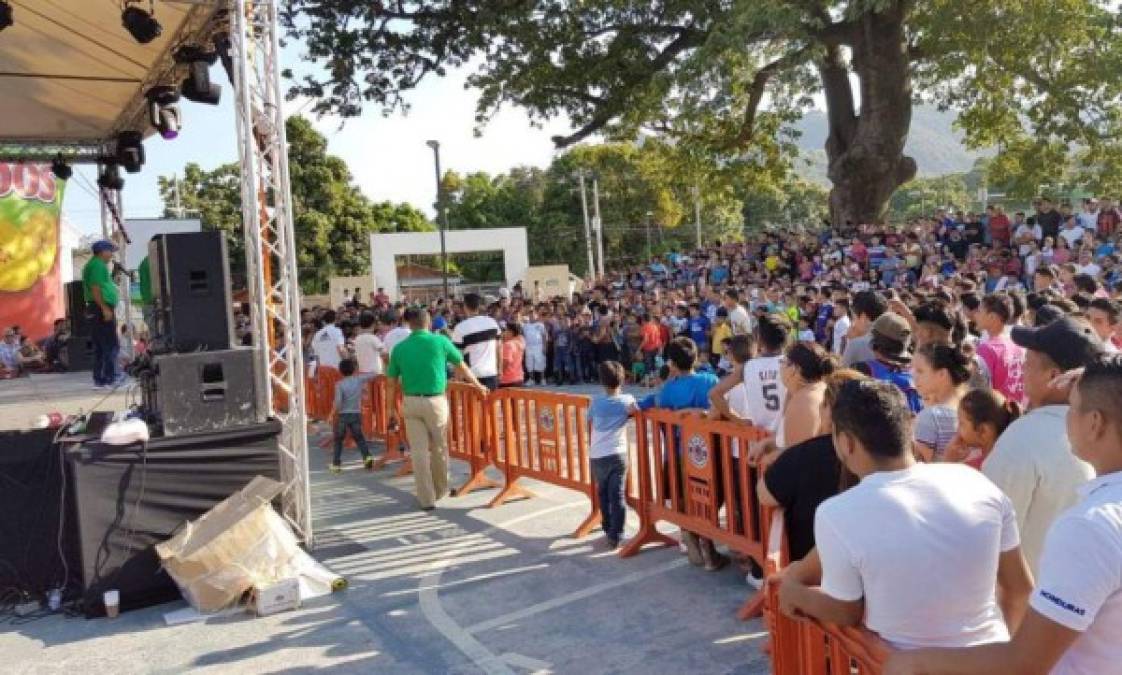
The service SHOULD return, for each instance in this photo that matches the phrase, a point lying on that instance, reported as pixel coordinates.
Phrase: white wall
(384, 248)
(143, 229)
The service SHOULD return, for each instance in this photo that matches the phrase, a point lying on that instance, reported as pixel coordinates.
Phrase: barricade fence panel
(470, 436)
(806, 646)
(544, 436)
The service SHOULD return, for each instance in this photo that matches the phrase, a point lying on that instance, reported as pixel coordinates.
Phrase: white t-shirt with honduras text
(921, 546)
(1080, 581)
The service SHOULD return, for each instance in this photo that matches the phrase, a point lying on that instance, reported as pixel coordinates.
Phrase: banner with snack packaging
(31, 294)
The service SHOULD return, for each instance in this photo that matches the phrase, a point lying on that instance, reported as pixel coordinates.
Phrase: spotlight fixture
(109, 178)
(130, 150)
(141, 25)
(163, 112)
(5, 14)
(61, 169)
(198, 87)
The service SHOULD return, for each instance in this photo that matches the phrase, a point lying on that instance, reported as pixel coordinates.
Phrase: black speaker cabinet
(204, 391)
(79, 353)
(191, 291)
(76, 309)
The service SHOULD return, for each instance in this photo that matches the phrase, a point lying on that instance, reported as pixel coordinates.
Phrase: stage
(24, 398)
(463, 589)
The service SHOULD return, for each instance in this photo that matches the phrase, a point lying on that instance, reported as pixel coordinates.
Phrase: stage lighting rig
(198, 87)
(61, 169)
(5, 14)
(163, 112)
(130, 150)
(141, 25)
(109, 178)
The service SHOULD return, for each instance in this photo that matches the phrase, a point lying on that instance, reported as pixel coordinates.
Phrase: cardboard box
(239, 543)
(273, 598)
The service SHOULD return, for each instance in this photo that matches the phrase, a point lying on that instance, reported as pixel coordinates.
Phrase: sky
(387, 155)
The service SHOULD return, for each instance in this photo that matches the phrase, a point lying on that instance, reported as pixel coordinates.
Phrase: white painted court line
(433, 611)
(563, 600)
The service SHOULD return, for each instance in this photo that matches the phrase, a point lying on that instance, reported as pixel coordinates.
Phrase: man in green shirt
(419, 365)
(144, 279)
(101, 301)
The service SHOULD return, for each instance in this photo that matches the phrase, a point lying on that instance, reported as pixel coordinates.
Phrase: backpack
(901, 378)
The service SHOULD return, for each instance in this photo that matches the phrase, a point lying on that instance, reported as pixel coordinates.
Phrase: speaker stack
(195, 381)
(191, 291)
(79, 346)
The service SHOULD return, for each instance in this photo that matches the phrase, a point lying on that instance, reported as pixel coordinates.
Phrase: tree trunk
(866, 150)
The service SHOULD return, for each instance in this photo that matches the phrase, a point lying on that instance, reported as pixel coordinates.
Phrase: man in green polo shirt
(101, 301)
(144, 280)
(419, 365)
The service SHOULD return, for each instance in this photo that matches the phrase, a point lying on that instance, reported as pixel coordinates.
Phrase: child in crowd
(347, 413)
(983, 414)
(607, 420)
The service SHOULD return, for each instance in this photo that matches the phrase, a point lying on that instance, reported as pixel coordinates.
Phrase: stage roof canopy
(70, 73)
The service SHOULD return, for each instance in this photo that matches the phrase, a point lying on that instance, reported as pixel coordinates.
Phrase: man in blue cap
(101, 302)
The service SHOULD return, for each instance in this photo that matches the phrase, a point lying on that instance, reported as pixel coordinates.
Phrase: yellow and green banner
(30, 208)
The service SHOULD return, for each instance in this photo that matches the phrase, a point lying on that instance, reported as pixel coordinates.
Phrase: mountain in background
(933, 142)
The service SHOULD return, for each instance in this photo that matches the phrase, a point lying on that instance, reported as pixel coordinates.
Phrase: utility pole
(598, 224)
(697, 213)
(650, 215)
(442, 213)
(587, 225)
(175, 191)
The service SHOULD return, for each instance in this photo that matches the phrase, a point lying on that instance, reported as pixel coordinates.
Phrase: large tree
(727, 76)
(333, 219)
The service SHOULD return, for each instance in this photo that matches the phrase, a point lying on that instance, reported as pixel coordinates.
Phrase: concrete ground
(462, 589)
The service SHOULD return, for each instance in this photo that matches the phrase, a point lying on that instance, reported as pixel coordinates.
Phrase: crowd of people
(944, 400)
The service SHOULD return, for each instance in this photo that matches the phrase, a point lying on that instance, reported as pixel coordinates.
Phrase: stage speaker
(203, 391)
(76, 309)
(79, 353)
(191, 291)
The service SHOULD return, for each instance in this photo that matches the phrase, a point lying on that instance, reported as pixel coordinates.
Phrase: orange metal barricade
(322, 390)
(469, 434)
(806, 646)
(379, 424)
(543, 436)
(687, 472)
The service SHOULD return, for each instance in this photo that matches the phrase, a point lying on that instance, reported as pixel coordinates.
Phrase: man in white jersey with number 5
(762, 383)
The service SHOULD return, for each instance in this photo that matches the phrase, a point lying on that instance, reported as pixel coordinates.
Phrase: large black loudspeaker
(76, 309)
(203, 391)
(79, 353)
(191, 290)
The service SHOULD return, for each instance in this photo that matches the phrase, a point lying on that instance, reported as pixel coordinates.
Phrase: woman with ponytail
(941, 373)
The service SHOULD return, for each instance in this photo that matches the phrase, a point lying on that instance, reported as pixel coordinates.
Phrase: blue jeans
(107, 348)
(609, 473)
(562, 364)
(349, 422)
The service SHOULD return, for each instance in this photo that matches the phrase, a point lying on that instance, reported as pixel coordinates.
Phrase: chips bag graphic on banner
(30, 206)
(30, 201)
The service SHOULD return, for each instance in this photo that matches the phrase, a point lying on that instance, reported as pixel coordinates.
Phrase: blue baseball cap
(102, 245)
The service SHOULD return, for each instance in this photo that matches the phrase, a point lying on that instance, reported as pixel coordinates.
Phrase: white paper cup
(112, 600)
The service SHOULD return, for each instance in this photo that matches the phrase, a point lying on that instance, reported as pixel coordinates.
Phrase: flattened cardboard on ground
(223, 553)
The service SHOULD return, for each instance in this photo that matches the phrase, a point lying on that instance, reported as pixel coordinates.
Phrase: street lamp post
(442, 214)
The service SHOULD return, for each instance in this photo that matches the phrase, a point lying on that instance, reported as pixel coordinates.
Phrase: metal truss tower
(269, 242)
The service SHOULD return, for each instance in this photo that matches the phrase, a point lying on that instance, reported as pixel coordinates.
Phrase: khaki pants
(426, 421)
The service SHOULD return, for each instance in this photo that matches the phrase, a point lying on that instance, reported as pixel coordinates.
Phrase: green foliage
(333, 220)
(727, 80)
